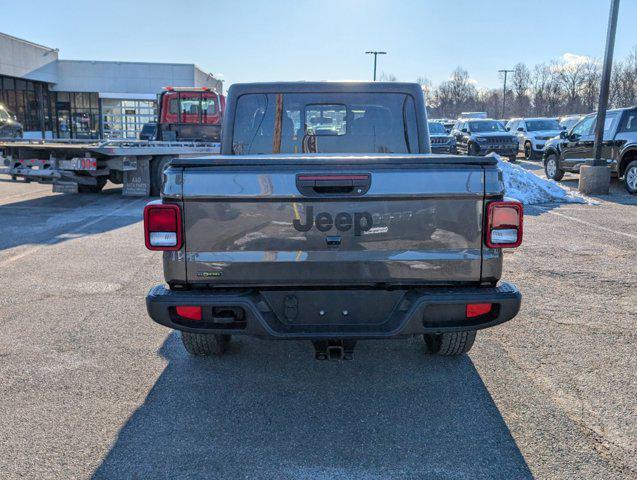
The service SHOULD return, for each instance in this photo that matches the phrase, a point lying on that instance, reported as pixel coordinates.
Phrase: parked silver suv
(533, 133)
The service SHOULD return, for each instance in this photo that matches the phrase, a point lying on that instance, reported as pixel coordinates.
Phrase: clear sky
(324, 40)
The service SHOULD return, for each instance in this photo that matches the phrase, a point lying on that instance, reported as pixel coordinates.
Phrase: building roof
(27, 42)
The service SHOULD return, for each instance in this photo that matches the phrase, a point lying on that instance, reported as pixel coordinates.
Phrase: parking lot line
(590, 224)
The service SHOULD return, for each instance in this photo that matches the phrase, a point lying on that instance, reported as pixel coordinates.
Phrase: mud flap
(136, 177)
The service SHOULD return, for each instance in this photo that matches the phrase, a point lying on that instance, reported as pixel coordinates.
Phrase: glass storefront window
(30, 101)
(125, 118)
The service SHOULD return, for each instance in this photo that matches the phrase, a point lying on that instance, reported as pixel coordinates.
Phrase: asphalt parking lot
(91, 387)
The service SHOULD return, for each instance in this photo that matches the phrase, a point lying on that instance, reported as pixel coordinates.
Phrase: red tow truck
(189, 125)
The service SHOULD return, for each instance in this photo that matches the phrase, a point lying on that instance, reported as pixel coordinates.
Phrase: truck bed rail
(327, 159)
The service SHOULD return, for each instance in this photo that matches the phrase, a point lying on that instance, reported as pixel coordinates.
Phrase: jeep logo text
(343, 221)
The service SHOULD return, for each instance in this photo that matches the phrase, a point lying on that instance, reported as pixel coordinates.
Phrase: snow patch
(530, 189)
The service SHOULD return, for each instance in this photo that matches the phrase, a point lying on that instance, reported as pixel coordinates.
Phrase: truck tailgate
(329, 221)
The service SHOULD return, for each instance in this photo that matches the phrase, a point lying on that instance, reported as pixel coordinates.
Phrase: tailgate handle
(331, 184)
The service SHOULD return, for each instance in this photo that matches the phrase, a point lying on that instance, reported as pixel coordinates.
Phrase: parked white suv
(533, 133)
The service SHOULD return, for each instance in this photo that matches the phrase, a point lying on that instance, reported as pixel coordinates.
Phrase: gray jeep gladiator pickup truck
(327, 218)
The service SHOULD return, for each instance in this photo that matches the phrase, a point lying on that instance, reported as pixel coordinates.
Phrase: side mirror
(508, 129)
(447, 130)
(464, 130)
(563, 127)
(563, 134)
(520, 129)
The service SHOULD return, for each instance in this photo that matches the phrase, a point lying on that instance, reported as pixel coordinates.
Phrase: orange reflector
(189, 312)
(478, 309)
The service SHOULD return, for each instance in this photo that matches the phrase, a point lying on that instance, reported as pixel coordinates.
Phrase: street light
(504, 90)
(375, 53)
(595, 175)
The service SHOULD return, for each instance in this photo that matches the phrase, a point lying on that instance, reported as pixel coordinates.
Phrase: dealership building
(81, 99)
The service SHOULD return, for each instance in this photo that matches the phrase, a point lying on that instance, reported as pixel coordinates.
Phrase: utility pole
(375, 53)
(595, 175)
(504, 89)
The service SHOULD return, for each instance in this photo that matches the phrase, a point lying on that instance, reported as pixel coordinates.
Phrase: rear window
(325, 123)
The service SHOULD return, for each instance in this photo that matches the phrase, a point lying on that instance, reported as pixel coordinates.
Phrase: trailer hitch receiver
(334, 349)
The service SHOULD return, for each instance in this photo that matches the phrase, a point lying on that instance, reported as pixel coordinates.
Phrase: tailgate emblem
(361, 221)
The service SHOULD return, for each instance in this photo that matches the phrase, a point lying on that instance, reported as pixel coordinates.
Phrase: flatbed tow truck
(189, 126)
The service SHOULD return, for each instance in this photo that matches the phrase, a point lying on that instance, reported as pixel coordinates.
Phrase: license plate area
(332, 307)
(78, 163)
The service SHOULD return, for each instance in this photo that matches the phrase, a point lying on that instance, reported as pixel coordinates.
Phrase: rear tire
(630, 177)
(157, 167)
(472, 149)
(449, 344)
(204, 344)
(552, 168)
(97, 188)
(528, 151)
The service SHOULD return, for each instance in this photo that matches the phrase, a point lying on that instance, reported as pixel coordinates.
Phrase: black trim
(395, 160)
(419, 310)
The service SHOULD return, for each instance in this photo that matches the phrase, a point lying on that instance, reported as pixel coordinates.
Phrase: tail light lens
(162, 226)
(474, 310)
(189, 312)
(504, 224)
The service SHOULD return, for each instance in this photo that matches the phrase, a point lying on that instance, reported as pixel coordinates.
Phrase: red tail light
(189, 312)
(504, 224)
(162, 226)
(477, 309)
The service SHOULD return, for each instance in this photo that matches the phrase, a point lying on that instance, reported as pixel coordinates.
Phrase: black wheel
(528, 151)
(450, 344)
(630, 177)
(204, 344)
(97, 188)
(513, 158)
(472, 149)
(552, 168)
(157, 167)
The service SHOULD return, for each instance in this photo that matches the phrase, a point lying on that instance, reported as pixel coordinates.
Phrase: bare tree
(589, 90)
(571, 78)
(521, 84)
(540, 80)
(548, 89)
(425, 84)
(387, 77)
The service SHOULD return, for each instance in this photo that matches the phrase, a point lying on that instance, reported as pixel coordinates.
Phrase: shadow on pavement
(269, 410)
(52, 219)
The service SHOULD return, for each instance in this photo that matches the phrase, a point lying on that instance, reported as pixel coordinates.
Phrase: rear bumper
(408, 312)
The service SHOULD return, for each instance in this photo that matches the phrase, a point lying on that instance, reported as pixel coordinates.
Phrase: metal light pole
(595, 175)
(605, 83)
(375, 56)
(504, 89)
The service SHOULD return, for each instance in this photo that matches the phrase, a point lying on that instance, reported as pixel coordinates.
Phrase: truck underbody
(86, 166)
